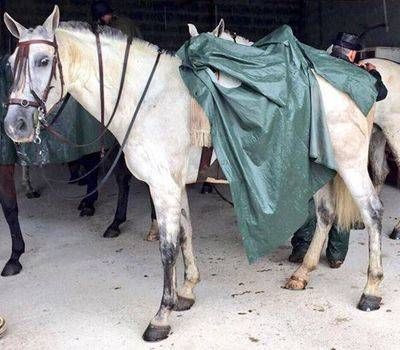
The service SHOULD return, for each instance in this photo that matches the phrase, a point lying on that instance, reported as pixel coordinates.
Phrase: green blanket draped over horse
(74, 123)
(269, 133)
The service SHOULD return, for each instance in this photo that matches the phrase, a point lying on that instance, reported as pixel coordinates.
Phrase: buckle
(24, 103)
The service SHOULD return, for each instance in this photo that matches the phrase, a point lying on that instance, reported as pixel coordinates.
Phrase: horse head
(37, 77)
(221, 32)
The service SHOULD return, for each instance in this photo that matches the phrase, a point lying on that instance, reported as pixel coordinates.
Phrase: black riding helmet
(348, 40)
(100, 9)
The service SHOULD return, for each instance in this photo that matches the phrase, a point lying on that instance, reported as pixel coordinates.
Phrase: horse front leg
(325, 217)
(8, 199)
(30, 192)
(123, 177)
(186, 297)
(86, 206)
(168, 209)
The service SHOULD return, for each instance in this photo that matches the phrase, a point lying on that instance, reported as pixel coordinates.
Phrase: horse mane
(105, 31)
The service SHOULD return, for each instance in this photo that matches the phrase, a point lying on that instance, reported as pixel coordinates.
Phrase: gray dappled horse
(159, 149)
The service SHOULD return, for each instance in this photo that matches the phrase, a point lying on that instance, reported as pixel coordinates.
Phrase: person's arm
(380, 86)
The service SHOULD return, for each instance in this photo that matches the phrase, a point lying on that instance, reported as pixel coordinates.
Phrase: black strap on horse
(128, 132)
(104, 128)
(102, 133)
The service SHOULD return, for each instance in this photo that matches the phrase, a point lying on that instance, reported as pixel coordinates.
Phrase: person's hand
(367, 66)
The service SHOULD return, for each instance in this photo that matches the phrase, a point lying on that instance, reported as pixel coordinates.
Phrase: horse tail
(346, 210)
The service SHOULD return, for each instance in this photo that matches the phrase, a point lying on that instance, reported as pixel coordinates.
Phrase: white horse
(159, 151)
(387, 117)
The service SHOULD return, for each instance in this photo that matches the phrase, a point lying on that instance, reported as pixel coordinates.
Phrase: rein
(128, 132)
(104, 128)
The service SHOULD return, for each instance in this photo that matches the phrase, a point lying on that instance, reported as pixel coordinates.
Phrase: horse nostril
(21, 125)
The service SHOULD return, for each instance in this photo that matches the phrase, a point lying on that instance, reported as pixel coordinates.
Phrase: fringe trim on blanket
(200, 131)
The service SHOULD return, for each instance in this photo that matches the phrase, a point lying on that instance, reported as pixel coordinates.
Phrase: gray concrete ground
(80, 291)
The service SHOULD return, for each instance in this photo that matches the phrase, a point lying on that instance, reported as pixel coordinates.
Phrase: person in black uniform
(345, 47)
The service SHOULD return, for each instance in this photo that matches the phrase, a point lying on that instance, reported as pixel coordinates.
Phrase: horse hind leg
(8, 199)
(394, 143)
(325, 217)
(367, 200)
(378, 166)
(153, 234)
(168, 209)
(186, 297)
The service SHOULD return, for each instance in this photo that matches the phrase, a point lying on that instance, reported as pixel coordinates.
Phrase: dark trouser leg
(302, 238)
(338, 245)
(8, 199)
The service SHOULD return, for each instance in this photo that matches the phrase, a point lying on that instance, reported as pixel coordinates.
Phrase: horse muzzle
(18, 124)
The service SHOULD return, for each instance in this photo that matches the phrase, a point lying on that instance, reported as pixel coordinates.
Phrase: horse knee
(375, 211)
(169, 253)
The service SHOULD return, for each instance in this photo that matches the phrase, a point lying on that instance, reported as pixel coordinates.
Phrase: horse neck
(78, 54)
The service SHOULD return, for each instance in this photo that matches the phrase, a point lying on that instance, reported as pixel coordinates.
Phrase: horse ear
(193, 30)
(220, 28)
(13, 26)
(52, 22)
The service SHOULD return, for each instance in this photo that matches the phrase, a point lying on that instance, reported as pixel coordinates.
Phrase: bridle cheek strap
(22, 63)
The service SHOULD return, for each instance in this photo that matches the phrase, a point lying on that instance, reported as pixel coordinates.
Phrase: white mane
(107, 34)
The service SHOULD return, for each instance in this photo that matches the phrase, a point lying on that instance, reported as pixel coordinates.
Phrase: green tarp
(74, 123)
(269, 133)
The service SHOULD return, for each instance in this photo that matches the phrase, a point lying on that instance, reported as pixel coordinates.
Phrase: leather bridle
(22, 64)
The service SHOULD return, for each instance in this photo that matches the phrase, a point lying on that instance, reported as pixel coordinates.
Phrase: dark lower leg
(8, 200)
(122, 176)
(87, 204)
(159, 327)
(153, 234)
(338, 245)
(302, 238)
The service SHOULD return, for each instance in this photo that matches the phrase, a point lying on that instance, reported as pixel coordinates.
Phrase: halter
(21, 65)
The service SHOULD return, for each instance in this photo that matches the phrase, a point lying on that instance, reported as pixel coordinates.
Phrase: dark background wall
(164, 22)
(326, 17)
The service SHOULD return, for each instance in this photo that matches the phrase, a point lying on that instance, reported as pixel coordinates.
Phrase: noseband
(22, 64)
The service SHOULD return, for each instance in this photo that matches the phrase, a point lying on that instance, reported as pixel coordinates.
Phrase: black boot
(338, 245)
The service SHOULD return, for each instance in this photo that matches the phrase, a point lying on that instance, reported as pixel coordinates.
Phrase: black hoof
(183, 304)
(296, 257)
(369, 303)
(359, 225)
(87, 211)
(335, 264)
(395, 234)
(156, 333)
(112, 232)
(13, 267)
(33, 194)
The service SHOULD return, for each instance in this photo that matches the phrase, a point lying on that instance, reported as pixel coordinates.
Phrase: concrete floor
(80, 291)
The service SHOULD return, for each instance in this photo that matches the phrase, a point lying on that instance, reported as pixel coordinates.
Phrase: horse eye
(43, 62)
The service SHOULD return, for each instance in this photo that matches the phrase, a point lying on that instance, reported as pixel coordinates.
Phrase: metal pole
(385, 15)
(320, 23)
